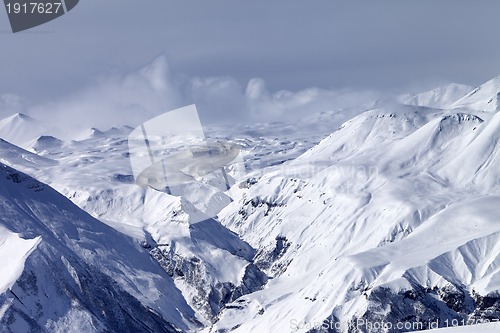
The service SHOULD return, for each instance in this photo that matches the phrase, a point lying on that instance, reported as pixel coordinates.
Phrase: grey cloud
(290, 44)
(138, 96)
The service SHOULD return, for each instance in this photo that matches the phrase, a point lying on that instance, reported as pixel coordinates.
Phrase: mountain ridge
(485, 97)
(391, 217)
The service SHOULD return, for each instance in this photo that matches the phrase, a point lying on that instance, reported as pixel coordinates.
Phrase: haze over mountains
(348, 218)
(440, 98)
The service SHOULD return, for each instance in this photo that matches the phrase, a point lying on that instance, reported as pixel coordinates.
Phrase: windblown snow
(485, 97)
(20, 129)
(439, 98)
(347, 220)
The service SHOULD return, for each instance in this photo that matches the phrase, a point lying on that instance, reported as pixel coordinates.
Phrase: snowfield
(370, 215)
(81, 274)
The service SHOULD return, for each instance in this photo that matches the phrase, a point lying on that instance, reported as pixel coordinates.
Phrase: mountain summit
(486, 97)
(440, 97)
(20, 129)
(393, 217)
(68, 272)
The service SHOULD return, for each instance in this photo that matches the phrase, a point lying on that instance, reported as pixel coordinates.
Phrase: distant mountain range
(348, 219)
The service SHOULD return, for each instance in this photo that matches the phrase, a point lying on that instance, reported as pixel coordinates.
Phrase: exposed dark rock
(418, 309)
(268, 258)
(210, 296)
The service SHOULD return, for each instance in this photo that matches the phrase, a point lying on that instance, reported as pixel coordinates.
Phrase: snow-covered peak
(20, 129)
(441, 97)
(96, 133)
(396, 209)
(367, 130)
(17, 157)
(399, 201)
(72, 272)
(45, 143)
(13, 252)
(486, 97)
(20, 116)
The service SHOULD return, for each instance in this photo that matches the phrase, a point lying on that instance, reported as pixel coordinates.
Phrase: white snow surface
(54, 239)
(20, 129)
(393, 197)
(439, 98)
(13, 252)
(390, 199)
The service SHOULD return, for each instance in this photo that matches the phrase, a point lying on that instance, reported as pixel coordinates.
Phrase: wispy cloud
(10, 103)
(136, 97)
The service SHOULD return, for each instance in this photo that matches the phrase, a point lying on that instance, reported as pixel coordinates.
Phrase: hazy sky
(294, 45)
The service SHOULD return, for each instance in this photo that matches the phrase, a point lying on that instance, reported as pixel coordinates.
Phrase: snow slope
(207, 262)
(44, 143)
(20, 129)
(13, 253)
(486, 97)
(387, 214)
(367, 217)
(440, 98)
(81, 275)
(19, 158)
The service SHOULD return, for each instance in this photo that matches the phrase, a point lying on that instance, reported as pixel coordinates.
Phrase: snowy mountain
(488, 327)
(439, 98)
(485, 97)
(208, 263)
(346, 219)
(17, 157)
(43, 143)
(20, 129)
(68, 272)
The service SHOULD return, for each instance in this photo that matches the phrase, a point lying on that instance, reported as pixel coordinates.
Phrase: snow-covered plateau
(374, 219)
